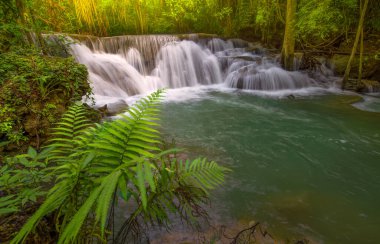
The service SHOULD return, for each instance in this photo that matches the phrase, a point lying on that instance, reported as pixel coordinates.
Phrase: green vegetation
(317, 21)
(35, 91)
(90, 168)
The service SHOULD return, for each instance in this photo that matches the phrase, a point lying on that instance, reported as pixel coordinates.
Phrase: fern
(93, 163)
(202, 173)
(56, 198)
(69, 129)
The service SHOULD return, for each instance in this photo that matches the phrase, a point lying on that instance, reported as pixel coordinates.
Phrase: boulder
(371, 66)
(112, 107)
(368, 86)
(363, 86)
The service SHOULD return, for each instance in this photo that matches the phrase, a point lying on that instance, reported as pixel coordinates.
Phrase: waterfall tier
(147, 45)
(128, 65)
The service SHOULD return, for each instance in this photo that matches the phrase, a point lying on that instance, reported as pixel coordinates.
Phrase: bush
(35, 90)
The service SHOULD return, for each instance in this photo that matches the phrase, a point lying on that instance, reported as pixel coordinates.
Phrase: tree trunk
(361, 56)
(358, 33)
(287, 53)
(361, 48)
(39, 42)
(21, 11)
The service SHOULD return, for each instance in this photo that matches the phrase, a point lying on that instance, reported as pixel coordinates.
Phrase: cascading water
(134, 58)
(129, 65)
(111, 74)
(185, 63)
(147, 45)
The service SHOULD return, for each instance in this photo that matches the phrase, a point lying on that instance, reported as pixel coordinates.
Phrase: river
(305, 161)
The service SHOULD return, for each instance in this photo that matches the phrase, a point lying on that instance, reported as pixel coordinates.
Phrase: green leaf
(149, 175)
(141, 185)
(5, 211)
(123, 187)
(32, 152)
(108, 188)
(72, 229)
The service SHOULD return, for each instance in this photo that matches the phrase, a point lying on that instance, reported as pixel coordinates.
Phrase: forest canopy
(317, 21)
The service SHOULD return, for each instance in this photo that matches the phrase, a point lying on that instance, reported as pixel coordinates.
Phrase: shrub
(35, 90)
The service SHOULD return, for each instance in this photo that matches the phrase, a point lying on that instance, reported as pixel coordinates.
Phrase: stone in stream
(112, 108)
(371, 66)
(366, 86)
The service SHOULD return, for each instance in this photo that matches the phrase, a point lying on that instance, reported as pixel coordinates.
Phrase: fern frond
(74, 226)
(94, 163)
(56, 197)
(129, 137)
(201, 173)
(72, 125)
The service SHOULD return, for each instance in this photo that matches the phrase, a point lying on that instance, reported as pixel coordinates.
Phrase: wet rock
(365, 86)
(112, 108)
(371, 66)
(368, 86)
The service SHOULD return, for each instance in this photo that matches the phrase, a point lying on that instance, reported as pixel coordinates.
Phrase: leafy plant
(35, 90)
(95, 167)
(18, 180)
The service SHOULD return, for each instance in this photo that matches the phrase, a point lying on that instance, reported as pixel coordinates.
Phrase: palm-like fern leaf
(57, 196)
(201, 173)
(132, 136)
(120, 151)
(68, 130)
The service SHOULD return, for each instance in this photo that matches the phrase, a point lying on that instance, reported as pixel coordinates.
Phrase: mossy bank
(35, 91)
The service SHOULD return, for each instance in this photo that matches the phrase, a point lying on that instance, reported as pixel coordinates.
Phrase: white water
(121, 67)
(183, 64)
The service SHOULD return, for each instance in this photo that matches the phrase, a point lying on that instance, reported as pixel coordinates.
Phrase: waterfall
(147, 45)
(125, 66)
(134, 58)
(186, 64)
(111, 74)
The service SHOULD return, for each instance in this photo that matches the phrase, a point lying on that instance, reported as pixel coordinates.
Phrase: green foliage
(90, 166)
(19, 177)
(71, 126)
(317, 21)
(11, 33)
(323, 20)
(34, 92)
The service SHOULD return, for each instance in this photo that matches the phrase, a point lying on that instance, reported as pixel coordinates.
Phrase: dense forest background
(317, 22)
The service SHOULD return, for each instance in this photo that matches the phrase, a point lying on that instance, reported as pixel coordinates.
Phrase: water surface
(308, 167)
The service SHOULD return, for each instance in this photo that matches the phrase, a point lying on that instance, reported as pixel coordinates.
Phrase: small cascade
(187, 64)
(261, 77)
(255, 71)
(217, 45)
(147, 45)
(111, 74)
(135, 59)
